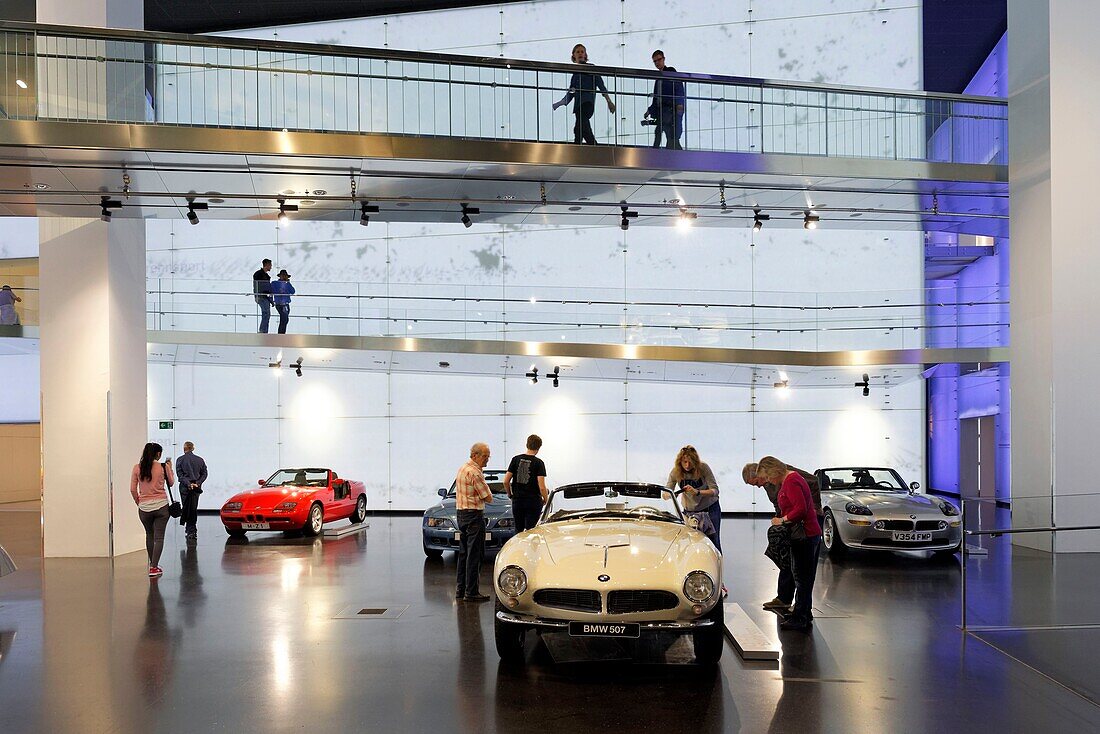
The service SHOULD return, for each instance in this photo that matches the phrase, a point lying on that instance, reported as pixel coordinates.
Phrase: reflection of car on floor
(610, 559)
(871, 508)
(295, 499)
(441, 521)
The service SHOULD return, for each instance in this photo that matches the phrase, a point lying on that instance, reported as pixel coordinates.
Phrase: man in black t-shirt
(525, 483)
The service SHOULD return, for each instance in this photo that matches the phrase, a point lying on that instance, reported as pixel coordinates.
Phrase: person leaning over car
(528, 492)
(796, 510)
(471, 494)
(752, 477)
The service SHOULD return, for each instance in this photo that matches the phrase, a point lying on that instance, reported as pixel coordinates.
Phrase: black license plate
(605, 629)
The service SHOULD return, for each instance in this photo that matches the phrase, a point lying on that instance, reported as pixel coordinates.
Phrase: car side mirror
(442, 492)
(914, 486)
(261, 482)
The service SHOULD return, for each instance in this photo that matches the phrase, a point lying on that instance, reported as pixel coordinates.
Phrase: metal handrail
(482, 61)
(1013, 531)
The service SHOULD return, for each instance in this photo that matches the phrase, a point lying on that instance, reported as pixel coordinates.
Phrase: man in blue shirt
(191, 473)
(667, 109)
(281, 291)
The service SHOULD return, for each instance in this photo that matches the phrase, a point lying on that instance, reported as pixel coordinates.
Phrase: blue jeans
(265, 313)
(284, 315)
(803, 573)
(715, 512)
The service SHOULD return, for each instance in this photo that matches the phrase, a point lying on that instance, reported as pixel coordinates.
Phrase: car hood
(618, 548)
(886, 502)
(267, 497)
(501, 507)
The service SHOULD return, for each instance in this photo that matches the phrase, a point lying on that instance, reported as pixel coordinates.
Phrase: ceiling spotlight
(627, 216)
(276, 364)
(284, 220)
(466, 212)
(554, 374)
(688, 215)
(106, 204)
(758, 219)
(297, 367)
(192, 206)
(365, 211)
(809, 221)
(533, 375)
(866, 385)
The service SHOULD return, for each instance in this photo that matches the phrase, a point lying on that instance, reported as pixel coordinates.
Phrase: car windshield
(594, 501)
(495, 480)
(861, 478)
(298, 478)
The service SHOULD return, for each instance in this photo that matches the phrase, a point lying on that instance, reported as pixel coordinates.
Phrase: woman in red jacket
(796, 510)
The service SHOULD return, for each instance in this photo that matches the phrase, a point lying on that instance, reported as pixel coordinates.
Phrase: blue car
(441, 521)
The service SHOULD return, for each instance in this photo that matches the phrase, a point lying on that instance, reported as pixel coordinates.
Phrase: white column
(95, 13)
(93, 353)
(1054, 160)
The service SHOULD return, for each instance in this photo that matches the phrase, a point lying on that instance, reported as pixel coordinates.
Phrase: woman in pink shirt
(796, 511)
(147, 485)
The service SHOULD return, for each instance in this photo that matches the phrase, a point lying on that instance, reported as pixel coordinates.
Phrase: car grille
(580, 600)
(254, 518)
(902, 545)
(928, 524)
(625, 602)
(897, 524)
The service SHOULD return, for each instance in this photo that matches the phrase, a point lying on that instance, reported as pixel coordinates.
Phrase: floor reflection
(153, 653)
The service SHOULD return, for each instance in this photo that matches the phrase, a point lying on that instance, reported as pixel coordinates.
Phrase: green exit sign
(166, 425)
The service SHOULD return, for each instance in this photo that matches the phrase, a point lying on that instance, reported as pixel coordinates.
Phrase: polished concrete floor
(247, 637)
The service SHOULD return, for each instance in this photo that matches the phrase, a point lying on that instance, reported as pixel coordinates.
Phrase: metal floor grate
(371, 611)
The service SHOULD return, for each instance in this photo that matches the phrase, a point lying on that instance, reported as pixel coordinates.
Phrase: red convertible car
(295, 499)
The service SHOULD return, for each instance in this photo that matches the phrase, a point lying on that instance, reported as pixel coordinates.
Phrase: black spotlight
(466, 212)
(297, 367)
(533, 375)
(627, 216)
(192, 206)
(866, 385)
(106, 204)
(365, 211)
(284, 220)
(554, 374)
(758, 219)
(809, 220)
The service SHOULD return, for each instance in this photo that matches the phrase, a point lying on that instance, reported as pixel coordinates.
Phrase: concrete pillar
(1055, 267)
(93, 356)
(95, 13)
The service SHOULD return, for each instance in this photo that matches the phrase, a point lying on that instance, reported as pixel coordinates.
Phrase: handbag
(174, 508)
(779, 545)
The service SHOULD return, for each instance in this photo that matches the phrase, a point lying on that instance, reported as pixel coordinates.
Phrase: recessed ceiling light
(288, 192)
(582, 198)
(217, 201)
(574, 208)
(20, 83)
(856, 214)
(402, 203)
(506, 197)
(319, 192)
(307, 202)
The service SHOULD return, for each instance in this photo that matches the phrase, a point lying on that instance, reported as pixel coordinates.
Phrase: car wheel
(316, 519)
(432, 552)
(360, 513)
(509, 638)
(710, 640)
(830, 537)
(234, 533)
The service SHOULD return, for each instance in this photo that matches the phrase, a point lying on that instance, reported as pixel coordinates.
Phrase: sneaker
(460, 594)
(155, 572)
(476, 597)
(777, 603)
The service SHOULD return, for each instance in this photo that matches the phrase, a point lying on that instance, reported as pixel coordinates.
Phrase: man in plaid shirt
(471, 494)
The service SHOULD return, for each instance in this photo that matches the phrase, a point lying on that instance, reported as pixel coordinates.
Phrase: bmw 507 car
(871, 508)
(295, 499)
(610, 559)
(440, 526)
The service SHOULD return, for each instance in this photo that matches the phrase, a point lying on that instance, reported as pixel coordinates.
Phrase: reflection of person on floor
(796, 511)
(582, 92)
(470, 685)
(153, 652)
(191, 596)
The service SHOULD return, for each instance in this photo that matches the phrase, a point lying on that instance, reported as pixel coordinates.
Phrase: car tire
(360, 513)
(509, 638)
(709, 641)
(314, 521)
(234, 533)
(830, 537)
(432, 552)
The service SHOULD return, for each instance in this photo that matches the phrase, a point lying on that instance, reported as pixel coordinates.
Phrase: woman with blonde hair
(700, 489)
(796, 511)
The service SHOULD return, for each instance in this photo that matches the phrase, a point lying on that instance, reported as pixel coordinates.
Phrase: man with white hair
(191, 473)
(471, 494)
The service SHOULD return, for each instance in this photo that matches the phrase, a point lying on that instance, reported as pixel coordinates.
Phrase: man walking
(261, 291)
(525, 483)
(281, 291)
(471, 494)
(191, 473)
(667, 108)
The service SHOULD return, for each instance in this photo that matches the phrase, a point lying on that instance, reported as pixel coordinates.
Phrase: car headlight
(438, 522)
(698, 586)
(854, 508)
(949, 509)
(232, 506)
(506, 522)
(286, 507)
(512, 581)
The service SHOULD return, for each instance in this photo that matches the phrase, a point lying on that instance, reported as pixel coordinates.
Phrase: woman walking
(582, 88)
(147, 485)
(796, 511)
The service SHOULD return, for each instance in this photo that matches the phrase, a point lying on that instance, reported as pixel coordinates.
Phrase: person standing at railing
(582, 92)
(667, 109)
(8, 315)
(282, 290)
(261, 291)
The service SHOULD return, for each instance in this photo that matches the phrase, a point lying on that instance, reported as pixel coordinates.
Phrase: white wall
(19, 396)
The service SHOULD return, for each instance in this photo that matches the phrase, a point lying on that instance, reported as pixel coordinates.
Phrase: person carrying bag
(150, 484)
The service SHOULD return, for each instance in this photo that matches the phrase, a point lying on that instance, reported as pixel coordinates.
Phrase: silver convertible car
(871, 508)
(440, 524)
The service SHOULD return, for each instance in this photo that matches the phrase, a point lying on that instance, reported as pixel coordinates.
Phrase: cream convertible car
(610, 559)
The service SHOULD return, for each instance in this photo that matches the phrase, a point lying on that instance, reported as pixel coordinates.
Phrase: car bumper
(871, 539)
(441, 539)
(274, 521)
(552, 625)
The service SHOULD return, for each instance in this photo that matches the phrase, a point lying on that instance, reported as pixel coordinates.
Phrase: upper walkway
(65, 91)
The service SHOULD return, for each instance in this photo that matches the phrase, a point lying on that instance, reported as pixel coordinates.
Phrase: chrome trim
(532, 621)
